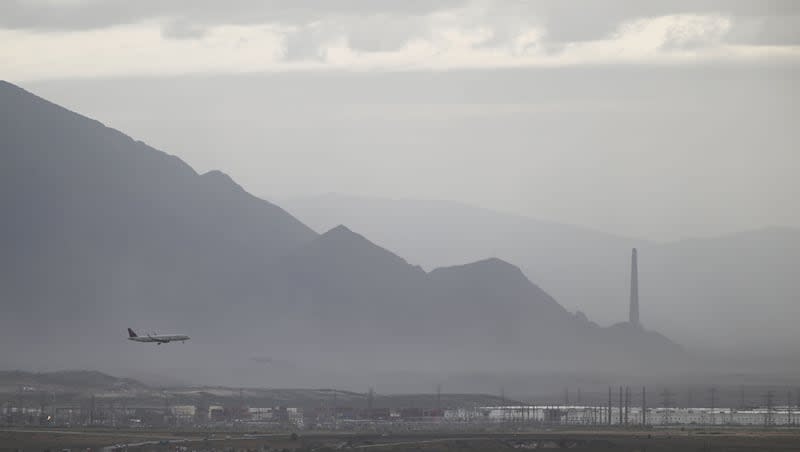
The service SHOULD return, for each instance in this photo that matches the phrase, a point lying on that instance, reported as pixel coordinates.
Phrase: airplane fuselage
(157, 338)
(161, 338)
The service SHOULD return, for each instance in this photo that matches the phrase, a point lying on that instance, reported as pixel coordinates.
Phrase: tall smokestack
(633, 315)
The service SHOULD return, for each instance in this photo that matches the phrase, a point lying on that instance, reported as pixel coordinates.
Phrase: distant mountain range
(102, 232)
(713, 293)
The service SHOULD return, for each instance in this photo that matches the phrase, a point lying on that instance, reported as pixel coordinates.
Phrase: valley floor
(575, 439)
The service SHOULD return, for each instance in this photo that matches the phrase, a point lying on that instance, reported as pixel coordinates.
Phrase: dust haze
(358, 194)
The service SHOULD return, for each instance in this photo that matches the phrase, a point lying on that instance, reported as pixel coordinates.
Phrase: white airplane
(157, 338)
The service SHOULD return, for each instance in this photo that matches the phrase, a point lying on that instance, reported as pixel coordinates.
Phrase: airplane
(157, 338)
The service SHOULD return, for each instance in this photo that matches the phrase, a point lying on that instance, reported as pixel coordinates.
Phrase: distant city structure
(633, 314)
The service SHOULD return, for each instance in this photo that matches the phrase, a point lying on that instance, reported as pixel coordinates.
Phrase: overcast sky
(657, 119)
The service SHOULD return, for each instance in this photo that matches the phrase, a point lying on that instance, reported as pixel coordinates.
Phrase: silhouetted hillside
(97, 225)
(704, 291)
(105, 233)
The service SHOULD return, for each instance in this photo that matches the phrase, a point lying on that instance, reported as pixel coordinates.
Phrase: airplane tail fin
(131, 333)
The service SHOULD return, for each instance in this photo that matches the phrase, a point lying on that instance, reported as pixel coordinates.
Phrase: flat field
(572, 439)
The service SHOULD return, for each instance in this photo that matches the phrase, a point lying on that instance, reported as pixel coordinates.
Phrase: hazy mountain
(487, 313)
(705, 291)
(99, 224)
(105, 232)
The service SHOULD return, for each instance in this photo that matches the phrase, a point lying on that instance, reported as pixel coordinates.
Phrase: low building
(261, 414)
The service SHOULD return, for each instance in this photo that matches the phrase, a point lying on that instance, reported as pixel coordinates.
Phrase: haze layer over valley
(703, 291)
(105, 233)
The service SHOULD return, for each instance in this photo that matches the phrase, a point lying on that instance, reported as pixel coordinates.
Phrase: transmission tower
(667, 401)
(769, 416)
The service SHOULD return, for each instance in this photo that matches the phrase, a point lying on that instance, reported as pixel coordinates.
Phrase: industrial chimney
(633, 315)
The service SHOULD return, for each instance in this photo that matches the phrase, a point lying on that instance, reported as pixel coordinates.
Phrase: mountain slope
(106, 233)
(102, 225)
(704, 291)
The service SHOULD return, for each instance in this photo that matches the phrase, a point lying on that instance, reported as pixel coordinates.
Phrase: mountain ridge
(714, 279)
(110, 233)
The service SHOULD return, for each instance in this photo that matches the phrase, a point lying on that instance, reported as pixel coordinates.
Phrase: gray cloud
(307, 43)
(373, 33)
(767, 30)
(384, 32)
(595, 20)
(87, 14)
(375, 26)
(183, 30)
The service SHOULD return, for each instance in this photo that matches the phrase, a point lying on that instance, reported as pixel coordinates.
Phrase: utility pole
(628, 402)
(741, 398)
(608, 417)
(241, 403)
(503, 401)
(713, 405)
(797, 403)
(644, 406)
(335, 409)
(439, 398)
(667, 402)
(91, 411)
(789, 407)
(620, 405)
(769, 418)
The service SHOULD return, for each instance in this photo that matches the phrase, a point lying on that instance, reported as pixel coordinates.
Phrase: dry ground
(576, 440)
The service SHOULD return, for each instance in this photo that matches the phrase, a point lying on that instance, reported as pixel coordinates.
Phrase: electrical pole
(667, 402)
(503, 401)
(769, 419)
(713, 405)
(741, 398)
(335, 409)
(644, 406)
(797, 402)
(620, 405)
(627, 403)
